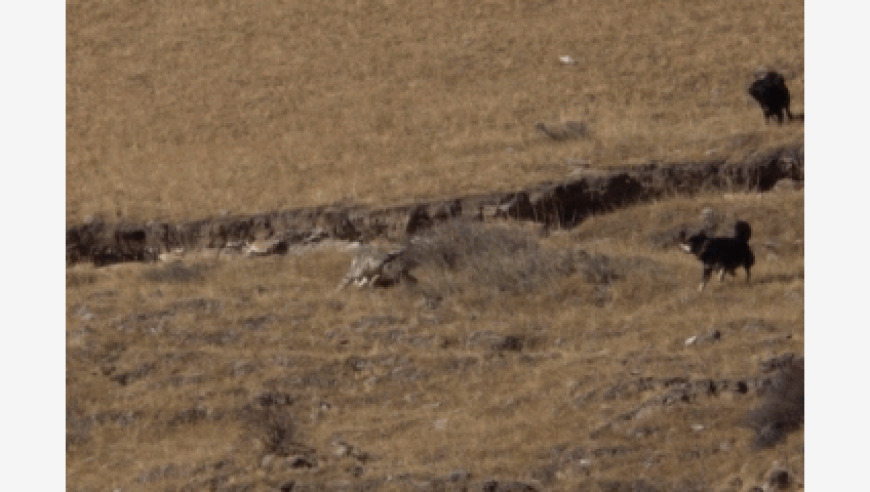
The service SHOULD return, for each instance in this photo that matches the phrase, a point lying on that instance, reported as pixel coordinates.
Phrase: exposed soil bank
(563, 204)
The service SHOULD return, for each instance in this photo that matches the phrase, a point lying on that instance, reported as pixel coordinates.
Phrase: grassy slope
(413, 386)
(182, 109)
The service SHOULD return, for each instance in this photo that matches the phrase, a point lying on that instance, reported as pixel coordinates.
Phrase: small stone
(691, 340)
(697, 427)
(297, 462)
(85, 314)
(459, 475)
(340, 448)
(778, 478)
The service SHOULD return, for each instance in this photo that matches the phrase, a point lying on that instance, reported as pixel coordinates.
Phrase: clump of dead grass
(503, 258)
(782, 408)
(270, 420)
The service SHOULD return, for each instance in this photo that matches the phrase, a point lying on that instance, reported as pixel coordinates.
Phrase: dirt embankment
(563, 204)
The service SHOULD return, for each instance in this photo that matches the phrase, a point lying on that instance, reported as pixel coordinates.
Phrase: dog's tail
(742, 231)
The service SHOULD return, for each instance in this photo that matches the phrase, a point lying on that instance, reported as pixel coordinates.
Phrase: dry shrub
(271, 421)
(277, 431)
(782, 408)
(598, 269)
(505, 258)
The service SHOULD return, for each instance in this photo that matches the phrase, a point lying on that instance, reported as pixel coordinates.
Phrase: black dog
(723, 254)
(772, 95)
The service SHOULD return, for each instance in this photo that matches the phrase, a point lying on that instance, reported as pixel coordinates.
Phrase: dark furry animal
(723, 254)
(771, 93)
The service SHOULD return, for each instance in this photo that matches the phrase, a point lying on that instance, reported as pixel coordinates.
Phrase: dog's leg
(748, 275)
(705, 277)
(722, 274)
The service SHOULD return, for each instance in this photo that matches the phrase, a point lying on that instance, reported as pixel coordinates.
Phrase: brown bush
(782, 407)
(507, 259)
(271, 421)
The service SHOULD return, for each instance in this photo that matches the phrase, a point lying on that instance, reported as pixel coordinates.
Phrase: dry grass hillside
(522, 358)
(565, 362)
(183, 109)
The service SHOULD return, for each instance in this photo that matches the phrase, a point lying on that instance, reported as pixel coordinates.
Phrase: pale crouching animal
(374, 268)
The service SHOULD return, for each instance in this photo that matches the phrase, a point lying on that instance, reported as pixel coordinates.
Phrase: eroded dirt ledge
(563, 204)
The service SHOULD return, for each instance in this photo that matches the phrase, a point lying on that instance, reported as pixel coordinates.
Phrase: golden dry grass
(179, 110)
(419, 390)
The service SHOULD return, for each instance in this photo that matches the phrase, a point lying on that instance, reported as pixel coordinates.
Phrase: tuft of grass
(782, 408)
(271, 421)
(505, 258)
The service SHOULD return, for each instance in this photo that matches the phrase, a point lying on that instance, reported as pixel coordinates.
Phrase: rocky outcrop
(563, 204)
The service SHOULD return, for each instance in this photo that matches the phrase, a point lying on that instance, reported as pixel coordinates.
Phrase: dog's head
(693, 244)
(742, 230)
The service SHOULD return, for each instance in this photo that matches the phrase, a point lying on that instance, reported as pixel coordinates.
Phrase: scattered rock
(297, 462)
(568, 130)
(459, 475)
(340, 448)
(495, 341)
(273, 398)
(778, 478)
(711, 337)
(778, 363)
(267, 247)
(419, 219)
(567, 60)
